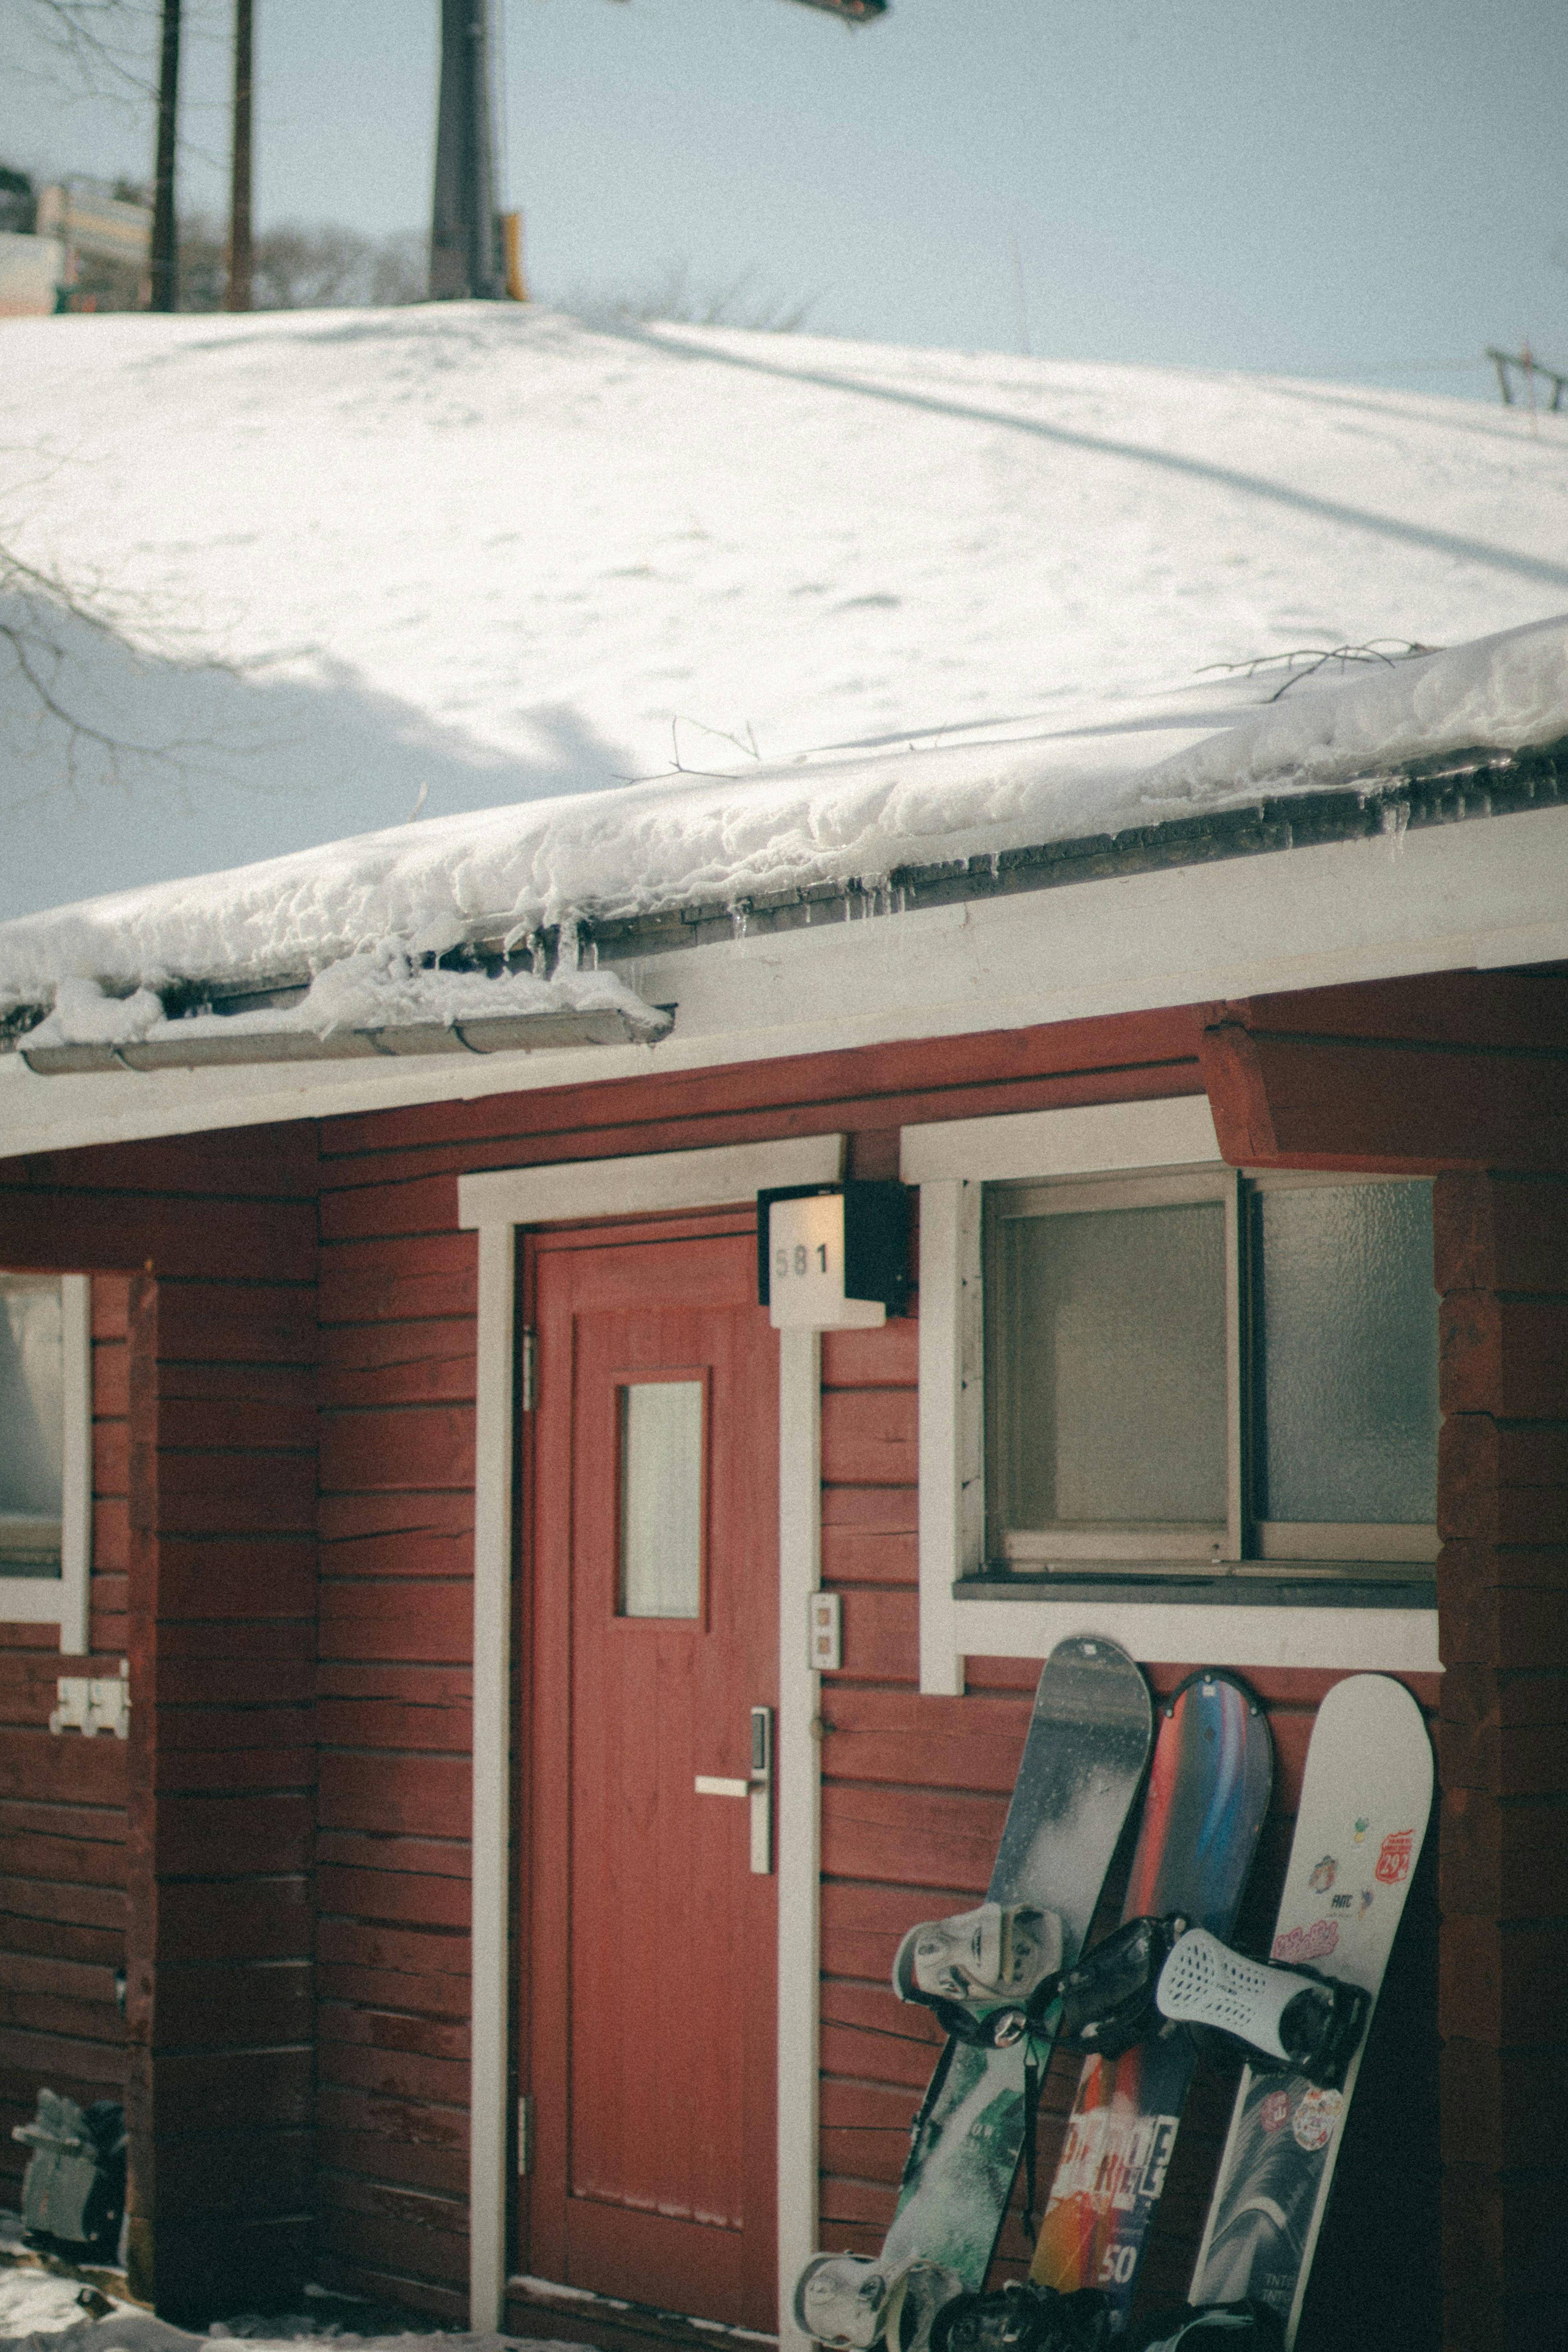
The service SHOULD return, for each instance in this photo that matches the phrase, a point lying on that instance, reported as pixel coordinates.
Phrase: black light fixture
(854, 12)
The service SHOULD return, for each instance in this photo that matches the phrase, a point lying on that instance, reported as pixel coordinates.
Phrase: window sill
(1354, 1624)
(1280, 1584)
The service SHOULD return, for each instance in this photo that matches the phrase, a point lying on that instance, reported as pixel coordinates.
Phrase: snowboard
(1208, 1792)
(1083, 1764)
(1365, 1797)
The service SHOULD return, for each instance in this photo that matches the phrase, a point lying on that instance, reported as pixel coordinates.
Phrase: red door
(654, 1613)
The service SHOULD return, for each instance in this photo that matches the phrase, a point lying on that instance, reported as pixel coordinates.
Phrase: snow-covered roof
(860, 814)
(491, 555)
(687, 621)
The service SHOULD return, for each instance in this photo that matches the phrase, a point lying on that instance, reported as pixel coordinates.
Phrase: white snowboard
(1365, 1797)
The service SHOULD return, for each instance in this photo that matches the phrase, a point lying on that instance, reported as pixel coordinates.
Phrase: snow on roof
(525, 557)
(862, 814)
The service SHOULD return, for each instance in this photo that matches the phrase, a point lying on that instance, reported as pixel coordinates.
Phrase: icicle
(1395, 818)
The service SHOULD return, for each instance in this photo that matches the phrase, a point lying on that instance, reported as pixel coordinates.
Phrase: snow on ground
(38, 2309)
(492, 555)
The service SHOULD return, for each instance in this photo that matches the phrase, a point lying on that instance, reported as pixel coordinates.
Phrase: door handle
(757, 1790)
(762, 1792)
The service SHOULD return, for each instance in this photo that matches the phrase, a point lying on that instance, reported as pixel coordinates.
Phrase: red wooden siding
(62, 1813)
(208, 1518)
(397, 1300)
(915, 1793)
(1502, 1266)
(208, 1554)
(394, 1724)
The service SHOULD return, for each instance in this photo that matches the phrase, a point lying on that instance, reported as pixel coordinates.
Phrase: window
(661, 1498)
(1196, 1367)
(45, 1437)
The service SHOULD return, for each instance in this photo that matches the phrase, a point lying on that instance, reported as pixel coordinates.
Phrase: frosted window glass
(661, 1498)
(1113, 1375)
(32, 1401)
(1346, 1323)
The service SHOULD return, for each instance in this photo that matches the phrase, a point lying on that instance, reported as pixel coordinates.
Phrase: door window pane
(661, 1498)
(1108, 1388)
(1346, 1317)
(32, 1425)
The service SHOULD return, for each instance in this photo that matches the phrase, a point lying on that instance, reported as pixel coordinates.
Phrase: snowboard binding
(1023, 2317)
(1027, 2317)
(1286, 2018)
(982, 1971)
(1152, 1975)
(1249, 2326)
(849, 2302)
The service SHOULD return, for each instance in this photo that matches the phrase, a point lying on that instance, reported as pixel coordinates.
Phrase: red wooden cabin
(443, 1980)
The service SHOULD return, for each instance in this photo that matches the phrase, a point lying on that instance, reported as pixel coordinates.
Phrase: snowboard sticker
(1083, 1759)
(1365, 1797)
(1208, 1792)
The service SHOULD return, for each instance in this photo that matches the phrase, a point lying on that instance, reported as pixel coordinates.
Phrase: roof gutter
(491, 1034)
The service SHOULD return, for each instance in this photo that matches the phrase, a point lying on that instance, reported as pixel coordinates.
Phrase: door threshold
(620, 2325)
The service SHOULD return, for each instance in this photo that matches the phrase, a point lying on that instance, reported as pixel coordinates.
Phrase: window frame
(62, 1599)
(1299, 1611)
(1213, 1540)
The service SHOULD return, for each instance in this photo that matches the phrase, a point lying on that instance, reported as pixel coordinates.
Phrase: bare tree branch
(37, 614)
(104, 43)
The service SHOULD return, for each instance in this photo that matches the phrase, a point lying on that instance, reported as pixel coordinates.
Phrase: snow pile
(1499, 694)
(725, 840)
(486, 555)
(38, 2309)
(380, 987)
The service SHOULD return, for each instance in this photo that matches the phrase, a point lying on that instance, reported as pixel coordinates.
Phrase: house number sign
(831, 1259)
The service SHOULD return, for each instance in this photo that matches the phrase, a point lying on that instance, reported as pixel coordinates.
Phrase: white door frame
(567, 1193)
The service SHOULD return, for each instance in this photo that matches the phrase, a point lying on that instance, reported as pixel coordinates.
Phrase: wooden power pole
(241, 176)
(466, 261)
(164, 290)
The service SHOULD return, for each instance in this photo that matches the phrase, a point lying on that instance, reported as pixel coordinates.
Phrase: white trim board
(951, 1163)
(1385, 1641)
(573, 1191)
(497, 1202)
(63, 1599)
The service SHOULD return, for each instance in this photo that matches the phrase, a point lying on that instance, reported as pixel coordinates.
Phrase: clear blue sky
(1373, 188)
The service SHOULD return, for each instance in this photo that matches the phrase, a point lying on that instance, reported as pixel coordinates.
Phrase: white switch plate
(91, 1704)
(825, 1643)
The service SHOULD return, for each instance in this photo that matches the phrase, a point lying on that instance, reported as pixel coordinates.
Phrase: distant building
(30, 266)
(105, 231)
(18, 204)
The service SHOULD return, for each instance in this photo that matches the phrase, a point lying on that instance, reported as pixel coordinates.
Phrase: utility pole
(465, 258)
(165, 292)
(238, 294)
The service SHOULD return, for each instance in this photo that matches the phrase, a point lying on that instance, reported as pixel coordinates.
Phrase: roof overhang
(1439, 898)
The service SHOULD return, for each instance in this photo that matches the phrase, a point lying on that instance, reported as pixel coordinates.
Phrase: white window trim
(567, 1193)
(951, 1163)
(62, 1601)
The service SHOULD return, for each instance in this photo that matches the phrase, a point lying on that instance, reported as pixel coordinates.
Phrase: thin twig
(1316, 657)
